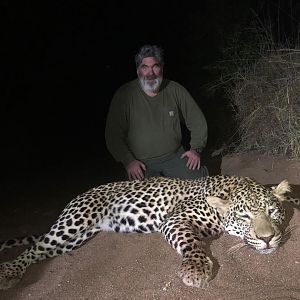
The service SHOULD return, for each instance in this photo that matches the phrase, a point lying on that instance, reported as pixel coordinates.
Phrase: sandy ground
(135, 266)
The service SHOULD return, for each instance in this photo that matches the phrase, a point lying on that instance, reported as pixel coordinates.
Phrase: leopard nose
(266, 239)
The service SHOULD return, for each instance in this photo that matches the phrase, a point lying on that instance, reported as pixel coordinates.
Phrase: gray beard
(151, 86)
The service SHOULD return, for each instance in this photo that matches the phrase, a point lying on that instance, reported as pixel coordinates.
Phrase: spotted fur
(184, 211)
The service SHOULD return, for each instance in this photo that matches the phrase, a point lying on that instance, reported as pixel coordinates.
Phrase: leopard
(184, 211)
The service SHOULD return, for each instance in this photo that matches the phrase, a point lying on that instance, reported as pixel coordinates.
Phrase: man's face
(150, 74)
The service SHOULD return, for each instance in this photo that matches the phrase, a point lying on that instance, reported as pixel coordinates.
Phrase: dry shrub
(266, 99)
(264, 91)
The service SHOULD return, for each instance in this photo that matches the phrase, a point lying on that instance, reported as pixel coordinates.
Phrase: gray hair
(149, 51)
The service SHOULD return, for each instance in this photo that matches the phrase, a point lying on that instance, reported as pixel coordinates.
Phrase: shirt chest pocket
(170, 117)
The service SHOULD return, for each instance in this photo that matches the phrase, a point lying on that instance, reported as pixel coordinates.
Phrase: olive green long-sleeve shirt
(142, 127)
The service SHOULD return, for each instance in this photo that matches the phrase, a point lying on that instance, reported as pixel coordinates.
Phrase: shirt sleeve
(194, 119)
(116, 130)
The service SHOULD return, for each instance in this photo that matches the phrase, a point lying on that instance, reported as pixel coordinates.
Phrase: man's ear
(282, 188)
(218, 203)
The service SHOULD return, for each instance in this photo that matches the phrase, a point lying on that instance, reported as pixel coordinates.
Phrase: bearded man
(143, 127)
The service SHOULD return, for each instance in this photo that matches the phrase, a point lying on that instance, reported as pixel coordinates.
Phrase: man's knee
(194, 174)
(185, 173)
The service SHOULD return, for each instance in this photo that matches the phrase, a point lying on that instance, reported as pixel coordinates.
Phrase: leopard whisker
(234, 249)
(290, 228)
(288, 231)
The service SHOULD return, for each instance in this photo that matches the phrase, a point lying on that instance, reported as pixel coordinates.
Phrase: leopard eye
(272, 210)
(244, 216)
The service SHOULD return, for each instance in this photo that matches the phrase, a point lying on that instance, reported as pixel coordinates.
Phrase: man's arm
(194, 119)
(196, 123)
(116, 139)
(116, 131)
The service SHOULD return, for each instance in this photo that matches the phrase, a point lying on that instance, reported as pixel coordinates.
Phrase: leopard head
(254, 213)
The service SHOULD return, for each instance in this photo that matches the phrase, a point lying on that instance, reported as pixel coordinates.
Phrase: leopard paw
(9, 276)
(196, 273)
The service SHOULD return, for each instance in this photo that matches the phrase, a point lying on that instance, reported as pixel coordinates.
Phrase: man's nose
(151, 71)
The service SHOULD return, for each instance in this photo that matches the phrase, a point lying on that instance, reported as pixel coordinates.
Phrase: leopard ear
(218, 203)
(282, 188)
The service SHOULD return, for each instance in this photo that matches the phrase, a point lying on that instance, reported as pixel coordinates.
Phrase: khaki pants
(173, 166)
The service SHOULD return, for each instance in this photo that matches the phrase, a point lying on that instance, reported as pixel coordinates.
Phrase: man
(143, 124)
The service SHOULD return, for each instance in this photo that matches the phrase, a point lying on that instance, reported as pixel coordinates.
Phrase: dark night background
(62, 61)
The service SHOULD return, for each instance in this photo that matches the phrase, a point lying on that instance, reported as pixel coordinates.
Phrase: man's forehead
(149, 61)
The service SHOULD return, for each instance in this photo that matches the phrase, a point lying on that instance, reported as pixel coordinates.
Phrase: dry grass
(264, 91)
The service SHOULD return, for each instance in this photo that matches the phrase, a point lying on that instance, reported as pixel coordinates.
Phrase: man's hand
(193, 159)
(135, 170)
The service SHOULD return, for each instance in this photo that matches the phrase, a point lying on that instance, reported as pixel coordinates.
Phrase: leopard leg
(21, 241)
(185, 237)
(12, 272)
